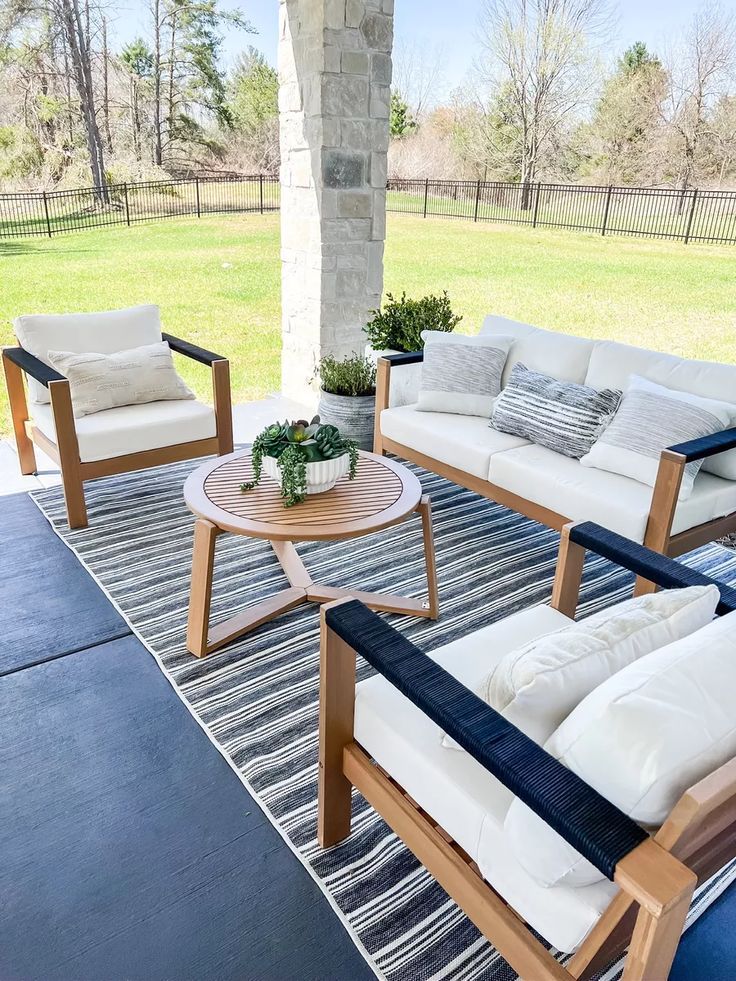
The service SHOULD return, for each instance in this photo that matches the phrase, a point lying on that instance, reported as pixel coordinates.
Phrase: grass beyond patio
(217, 283)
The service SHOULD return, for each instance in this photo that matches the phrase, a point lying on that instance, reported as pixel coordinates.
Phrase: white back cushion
(641, 739)
(81, 333)
(560, 355)
(612, 364)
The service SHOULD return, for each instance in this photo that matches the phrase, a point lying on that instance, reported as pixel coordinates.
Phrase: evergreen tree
(401, 120)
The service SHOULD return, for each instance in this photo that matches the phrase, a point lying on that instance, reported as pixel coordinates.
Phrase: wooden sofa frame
(65, 451)
(656, 877)
(658, 535)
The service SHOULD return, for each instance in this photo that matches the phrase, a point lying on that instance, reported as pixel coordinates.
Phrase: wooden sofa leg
(568, 575)
(336, 707)
(383, 385)
(654, 942)
(662, 511)
(223, 406)
(19, 415)
(76, 507)
(68, 448)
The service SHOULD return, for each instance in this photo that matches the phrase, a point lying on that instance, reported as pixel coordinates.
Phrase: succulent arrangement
(294, 445)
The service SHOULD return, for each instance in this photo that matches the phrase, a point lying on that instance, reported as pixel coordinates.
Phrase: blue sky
(450, 23)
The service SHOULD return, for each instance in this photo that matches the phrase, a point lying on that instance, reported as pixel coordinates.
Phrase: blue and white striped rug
(258, 698)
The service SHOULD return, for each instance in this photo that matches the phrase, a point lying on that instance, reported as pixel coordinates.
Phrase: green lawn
(217, 283)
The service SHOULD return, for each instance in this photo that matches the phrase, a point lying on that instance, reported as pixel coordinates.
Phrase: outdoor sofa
(545, 485)
(524, 836)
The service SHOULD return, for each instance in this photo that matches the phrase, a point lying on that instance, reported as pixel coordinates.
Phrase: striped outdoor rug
(257, 698)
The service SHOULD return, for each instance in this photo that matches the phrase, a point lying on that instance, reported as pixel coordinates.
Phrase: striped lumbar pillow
(560, 415)
(652, 418)
(461, 374)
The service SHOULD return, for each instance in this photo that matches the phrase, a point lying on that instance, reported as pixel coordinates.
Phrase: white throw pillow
(650, 419)
(462, 374)
(106, 381)
(641, 739)
(537, 685)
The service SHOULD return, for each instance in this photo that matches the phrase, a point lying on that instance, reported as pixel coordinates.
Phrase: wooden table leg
(200, 593)
(425, 510)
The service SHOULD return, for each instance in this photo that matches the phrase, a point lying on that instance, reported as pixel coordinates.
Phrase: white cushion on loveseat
(458, 792)
(561, 355)
(611, 365)
(464, 442)
(585, 494)
(134, 428)
(80, 333)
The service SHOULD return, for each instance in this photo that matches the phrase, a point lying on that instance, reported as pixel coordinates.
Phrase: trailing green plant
(293, 445)
(354, 376)
(399, 324)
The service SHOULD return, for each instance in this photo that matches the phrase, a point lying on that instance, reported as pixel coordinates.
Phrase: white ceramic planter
(405, 380)
(321, 476)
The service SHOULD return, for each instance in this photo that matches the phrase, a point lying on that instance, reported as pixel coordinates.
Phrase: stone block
(350, 283)
(374, 279)
(377, 30)
(346, 230)
(344, 95)
(334, 12)
(349, 39)
(354, 10)
(356, 134)
(343, 169)
(380, 102)
(379, 169)
(387, 6)
(381, 68)
(354, 204)
(356, 62)
(332, 58)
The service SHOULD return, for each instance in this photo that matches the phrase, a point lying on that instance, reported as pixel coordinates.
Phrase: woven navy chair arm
(32, 366)
(699, 449)
(412, 357)
(646, 563)
(585, 819)
(191, 350)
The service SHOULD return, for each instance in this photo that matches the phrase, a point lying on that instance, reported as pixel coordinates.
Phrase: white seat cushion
(458, 792)
(561, 355)
(134, 428)
(585, 494)
(80, 333)
(464, 442)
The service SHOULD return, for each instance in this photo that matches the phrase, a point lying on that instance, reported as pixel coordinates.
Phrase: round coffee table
(382, 494)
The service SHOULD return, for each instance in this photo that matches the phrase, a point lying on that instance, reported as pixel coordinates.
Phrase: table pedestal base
(202, 638)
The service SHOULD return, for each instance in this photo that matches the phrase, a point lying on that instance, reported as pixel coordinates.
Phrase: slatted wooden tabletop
(382, 493)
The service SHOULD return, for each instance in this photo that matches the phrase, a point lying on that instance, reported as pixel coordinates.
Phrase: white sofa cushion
(465, 443)
(640, 739)
(611, 364)
(537, 685)
(461, 374)
(586, 494)
(650, 419)
(134, 428)
(561, 355)
(458, 792)
(105, 381)
(103, 333)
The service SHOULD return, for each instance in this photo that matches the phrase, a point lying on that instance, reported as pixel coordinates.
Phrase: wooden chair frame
(65, 451)
(658, 535)
(656, 879)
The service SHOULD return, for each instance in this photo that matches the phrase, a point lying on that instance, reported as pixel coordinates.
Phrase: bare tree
(537, 53)
(417, 74)
(700, 68)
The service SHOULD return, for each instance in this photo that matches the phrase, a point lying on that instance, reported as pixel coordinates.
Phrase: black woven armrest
(412, 357)
(32, 366)
(650, 565)
(191, 350)
(585, 819)
(699, 449)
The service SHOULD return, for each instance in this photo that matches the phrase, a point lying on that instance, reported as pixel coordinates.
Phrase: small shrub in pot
(348, 396)
(398, 325)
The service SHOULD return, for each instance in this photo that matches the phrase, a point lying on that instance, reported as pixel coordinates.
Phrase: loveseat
(554, 489)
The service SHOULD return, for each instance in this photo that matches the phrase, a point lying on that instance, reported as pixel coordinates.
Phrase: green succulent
(329, 442)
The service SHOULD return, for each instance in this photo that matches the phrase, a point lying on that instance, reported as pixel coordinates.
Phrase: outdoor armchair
(116, 440)
(371, 739)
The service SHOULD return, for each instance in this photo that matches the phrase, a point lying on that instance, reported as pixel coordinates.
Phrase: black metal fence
(53, 212)
(692, 215)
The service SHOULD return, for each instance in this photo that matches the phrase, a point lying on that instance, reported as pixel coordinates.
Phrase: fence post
(477, 201)
(260, 182)
(426, 191)
(606, 209)
(536, 204)
(196, 191)
(46, 212)
(127, 207)
(690, 216)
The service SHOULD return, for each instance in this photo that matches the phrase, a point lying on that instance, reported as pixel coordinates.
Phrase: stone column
(334, 103)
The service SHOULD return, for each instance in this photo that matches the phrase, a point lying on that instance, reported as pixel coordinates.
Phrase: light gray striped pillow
(461, 374)
(651, 419)
(563, 416)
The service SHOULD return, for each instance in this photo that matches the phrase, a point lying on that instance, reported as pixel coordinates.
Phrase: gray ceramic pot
(352, 414)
